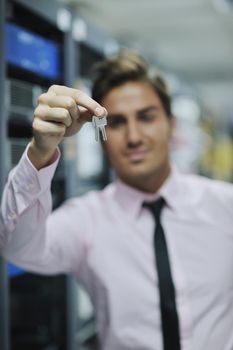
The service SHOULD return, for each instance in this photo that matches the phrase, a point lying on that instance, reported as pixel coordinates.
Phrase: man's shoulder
(209, 183)
(209, 189)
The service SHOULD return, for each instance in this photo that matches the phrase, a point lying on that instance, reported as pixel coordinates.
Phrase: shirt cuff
(27, 178)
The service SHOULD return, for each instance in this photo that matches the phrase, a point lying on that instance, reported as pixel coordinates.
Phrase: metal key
(99, 125)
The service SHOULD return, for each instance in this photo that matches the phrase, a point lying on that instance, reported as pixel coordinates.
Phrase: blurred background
(57, 41)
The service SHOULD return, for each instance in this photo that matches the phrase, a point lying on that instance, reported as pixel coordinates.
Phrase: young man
(164, 285)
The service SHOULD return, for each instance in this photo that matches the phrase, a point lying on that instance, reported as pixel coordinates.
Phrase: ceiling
(192, 39)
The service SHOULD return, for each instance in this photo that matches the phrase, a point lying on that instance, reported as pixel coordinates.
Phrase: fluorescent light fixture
(79, 30)
(63, 19)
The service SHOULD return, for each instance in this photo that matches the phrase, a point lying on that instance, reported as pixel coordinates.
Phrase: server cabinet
(49, 312)
(35, 60)
(4, 299)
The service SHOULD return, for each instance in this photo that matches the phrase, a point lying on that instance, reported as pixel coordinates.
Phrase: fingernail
(99, 111)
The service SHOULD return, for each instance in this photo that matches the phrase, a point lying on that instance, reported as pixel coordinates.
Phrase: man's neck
(152, 183)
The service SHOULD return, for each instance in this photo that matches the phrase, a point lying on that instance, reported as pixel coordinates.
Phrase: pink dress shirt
(105, 239)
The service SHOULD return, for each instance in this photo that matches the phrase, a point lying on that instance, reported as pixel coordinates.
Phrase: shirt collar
(131, 199)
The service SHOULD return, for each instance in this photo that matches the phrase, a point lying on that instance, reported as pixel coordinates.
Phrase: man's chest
(122, 257)
(122, 274)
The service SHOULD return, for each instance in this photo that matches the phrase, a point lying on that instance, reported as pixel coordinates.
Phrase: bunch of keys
(99, 124)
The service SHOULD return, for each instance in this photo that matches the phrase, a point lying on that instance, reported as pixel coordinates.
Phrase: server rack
(4, 289)
(79, 333)
(37, 304)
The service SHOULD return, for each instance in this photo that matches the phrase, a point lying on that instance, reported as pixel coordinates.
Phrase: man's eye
(147, 117)
(115, 122)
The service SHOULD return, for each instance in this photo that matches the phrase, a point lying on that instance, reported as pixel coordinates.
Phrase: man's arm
(25, 207)
(29, 236)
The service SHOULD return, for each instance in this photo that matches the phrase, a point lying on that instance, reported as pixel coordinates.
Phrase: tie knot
(155, 207)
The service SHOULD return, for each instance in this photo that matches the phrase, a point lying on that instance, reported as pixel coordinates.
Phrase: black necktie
(170, 322)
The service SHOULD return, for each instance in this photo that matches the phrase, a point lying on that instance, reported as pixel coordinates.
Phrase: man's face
(139, 133)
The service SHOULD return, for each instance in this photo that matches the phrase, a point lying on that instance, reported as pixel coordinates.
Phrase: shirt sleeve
(30, 235)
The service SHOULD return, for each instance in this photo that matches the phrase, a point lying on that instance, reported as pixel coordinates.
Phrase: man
(164, 285)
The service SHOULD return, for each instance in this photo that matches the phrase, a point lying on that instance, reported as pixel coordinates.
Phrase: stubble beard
(149, 180)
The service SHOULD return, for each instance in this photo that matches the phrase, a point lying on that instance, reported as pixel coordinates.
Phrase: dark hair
(126, 66)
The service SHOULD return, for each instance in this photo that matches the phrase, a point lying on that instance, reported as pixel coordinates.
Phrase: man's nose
(133, 133)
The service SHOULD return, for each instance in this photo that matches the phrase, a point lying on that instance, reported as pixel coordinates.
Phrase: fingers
(80, 99)
(68, 103)
(56, 114)
(62, 107)
(45, 128)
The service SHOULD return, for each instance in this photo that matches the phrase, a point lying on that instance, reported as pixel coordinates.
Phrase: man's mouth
(136, 155)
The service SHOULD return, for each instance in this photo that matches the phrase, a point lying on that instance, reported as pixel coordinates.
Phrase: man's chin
(137, 173)
(137, 161)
